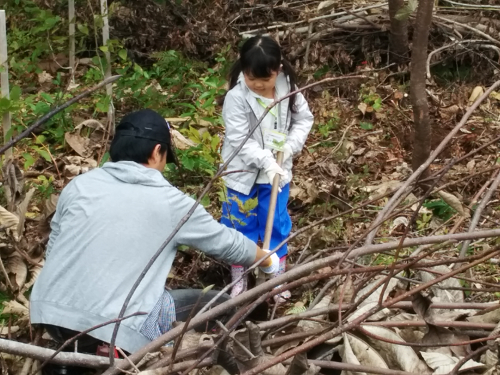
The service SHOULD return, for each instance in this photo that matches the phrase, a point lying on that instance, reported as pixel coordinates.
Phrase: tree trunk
(421, 141)
(399, 33)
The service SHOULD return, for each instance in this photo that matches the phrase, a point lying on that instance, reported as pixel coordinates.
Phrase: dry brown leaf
(181, 142)
(17, 270)
(444, 364)
(13, 182)
(476, 93)
(326, 5)
(21, 211)
(363, 108)
(492, 317)
(14, 307)
(6, 330)
(365, 354)
(9, 221)
(51, 204)
(453, 201)
(396, 356)
(78, 143)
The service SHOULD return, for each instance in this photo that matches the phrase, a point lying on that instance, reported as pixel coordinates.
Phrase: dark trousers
(185, 300)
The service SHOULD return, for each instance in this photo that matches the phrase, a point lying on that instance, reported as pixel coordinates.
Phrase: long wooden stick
(55, 111)
(272, 204)
(270, 215)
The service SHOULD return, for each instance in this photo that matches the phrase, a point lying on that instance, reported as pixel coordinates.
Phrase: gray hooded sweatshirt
(108, 224)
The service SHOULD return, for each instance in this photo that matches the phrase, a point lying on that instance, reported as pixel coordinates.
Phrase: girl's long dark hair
(259, 57)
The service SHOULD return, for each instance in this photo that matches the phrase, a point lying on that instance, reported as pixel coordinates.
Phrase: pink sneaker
(241, 285)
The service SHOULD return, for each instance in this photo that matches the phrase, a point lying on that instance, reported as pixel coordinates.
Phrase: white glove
(275, 264)
(274, 169)
(287, 152)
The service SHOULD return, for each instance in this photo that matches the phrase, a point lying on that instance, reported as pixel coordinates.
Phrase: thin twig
(460, 363)
(127, 359)
(473, 29)
(479, 211)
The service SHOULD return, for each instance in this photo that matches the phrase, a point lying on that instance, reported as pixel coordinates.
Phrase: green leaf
(83, 28)
(188, 163)
(40, 139)
(29, 161)
(205, 201)
(44, 154)
(105, 158)
(15, 93)
(104, 49)
(47, 97)
(123, 54)
(365, 125)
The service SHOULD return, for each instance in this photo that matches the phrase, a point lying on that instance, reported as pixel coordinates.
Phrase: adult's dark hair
(259, 57)
(133, 149)
(137, 135)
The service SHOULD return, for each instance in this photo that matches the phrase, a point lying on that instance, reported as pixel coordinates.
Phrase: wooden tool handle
(272, 204)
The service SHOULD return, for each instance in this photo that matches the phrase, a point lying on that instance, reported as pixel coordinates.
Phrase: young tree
(421, 141)
(398, 40)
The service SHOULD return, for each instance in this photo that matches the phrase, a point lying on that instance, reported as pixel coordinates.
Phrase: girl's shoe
(241, 285)
(285, 295)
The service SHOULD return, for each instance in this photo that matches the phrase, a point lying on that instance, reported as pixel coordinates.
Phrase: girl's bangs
(259, 65)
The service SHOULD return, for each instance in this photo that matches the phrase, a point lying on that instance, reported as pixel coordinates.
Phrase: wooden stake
(107, 74)
(261, 277)
(272, 204)
(71, 18)
(4, 74)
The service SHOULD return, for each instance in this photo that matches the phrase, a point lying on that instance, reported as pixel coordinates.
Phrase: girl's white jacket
(240, 113)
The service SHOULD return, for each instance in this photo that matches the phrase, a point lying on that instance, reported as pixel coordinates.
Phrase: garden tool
(261, 277)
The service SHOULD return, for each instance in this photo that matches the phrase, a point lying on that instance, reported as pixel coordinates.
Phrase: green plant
(326, 128)
(440, 209)
(424, 221)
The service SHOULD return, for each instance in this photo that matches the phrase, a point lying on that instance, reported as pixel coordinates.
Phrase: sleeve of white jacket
(234, 114)
(301, 124)
(204, 233)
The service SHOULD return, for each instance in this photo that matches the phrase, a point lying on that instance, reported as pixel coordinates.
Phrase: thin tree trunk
(421, 141)
(399, 33)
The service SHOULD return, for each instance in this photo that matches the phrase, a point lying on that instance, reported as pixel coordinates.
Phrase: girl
(260, 76)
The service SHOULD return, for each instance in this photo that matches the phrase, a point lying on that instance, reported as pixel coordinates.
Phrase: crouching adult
(108, 224)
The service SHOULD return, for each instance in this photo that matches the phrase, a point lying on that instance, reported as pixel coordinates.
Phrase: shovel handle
(272, 204)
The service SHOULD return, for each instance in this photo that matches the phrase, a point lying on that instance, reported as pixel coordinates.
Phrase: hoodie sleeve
(301, 124)
(203, 232)
(234, 114)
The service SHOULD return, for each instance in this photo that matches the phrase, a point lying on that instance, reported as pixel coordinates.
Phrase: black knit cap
(147, 124)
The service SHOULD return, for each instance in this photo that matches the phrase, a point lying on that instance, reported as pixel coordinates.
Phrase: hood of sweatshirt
(133, 173)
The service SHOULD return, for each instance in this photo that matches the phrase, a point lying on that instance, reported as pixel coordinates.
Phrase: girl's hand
(275, 263)
(273, 170)
(287, 152)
